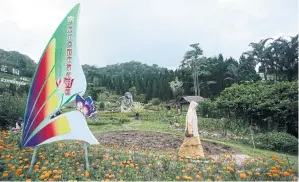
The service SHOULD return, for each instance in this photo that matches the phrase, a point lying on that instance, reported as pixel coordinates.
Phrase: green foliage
(278, 59)
(140, 98)
(225, 126)
(177, 89)
(14, 59)
(110, 118)
(155, 101)
(137, 107)
(102, 105)
(272, 106)
(208, 108)
(12, 107)
(277, 141)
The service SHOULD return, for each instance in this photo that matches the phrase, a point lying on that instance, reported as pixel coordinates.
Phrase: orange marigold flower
(229, 169)
(257, 174)
(42, 177)
(67, 154)
(243, 176)
(73, 154)
(197, 177)
(5, 174)
(275, 175)
(286, 173)
(177, 178)
(209, 169)
(44, 168)
(86, 174)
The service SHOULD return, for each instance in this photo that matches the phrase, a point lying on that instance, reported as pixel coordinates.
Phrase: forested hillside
(200, 75)
(14, 59)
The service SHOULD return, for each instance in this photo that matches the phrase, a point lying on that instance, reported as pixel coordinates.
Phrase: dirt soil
(157, 141)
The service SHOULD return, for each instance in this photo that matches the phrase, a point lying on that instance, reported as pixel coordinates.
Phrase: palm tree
(287, 56)
(259, 53)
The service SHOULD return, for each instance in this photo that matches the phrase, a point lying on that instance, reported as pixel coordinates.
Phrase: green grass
(134, 125)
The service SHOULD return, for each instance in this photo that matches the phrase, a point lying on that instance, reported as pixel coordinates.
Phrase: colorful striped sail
(57, 80)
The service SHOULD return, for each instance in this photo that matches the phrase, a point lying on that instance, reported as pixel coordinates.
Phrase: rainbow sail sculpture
(58, 79)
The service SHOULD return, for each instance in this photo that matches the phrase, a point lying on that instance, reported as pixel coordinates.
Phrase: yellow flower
(177, 178)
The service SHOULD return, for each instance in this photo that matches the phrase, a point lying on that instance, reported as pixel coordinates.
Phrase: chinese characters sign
(14, 81)
(68, 80)
(14, 71)
(21, 81)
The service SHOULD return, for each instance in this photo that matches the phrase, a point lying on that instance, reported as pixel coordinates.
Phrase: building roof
(188, 99)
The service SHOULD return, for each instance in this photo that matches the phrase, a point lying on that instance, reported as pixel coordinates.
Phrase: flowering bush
(65, 161)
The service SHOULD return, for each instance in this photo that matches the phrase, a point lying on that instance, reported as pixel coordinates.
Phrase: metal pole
(33, 158)
(86, 156)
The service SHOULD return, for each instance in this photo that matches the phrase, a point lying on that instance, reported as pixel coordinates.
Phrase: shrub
(102, 105)
(208, 108)
(277, 141)
(273, 106)
(155, 101)
(123, 119)
(137, 107)
(12, 107)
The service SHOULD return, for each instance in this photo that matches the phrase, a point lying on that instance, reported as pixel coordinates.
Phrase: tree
(133, 91)
(191, 61)
(176, 87)
(259, 54)
(287, 56)
(246, 69)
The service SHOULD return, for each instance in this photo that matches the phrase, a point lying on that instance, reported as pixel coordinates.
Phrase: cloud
(153, 32)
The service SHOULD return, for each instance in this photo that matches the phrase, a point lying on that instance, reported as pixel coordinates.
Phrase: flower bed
(65, 161)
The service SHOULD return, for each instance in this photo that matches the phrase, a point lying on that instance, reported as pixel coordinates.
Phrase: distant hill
(152, 81)
(15, 63)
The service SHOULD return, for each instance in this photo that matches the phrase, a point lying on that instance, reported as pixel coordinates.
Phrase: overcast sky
(149, 31)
